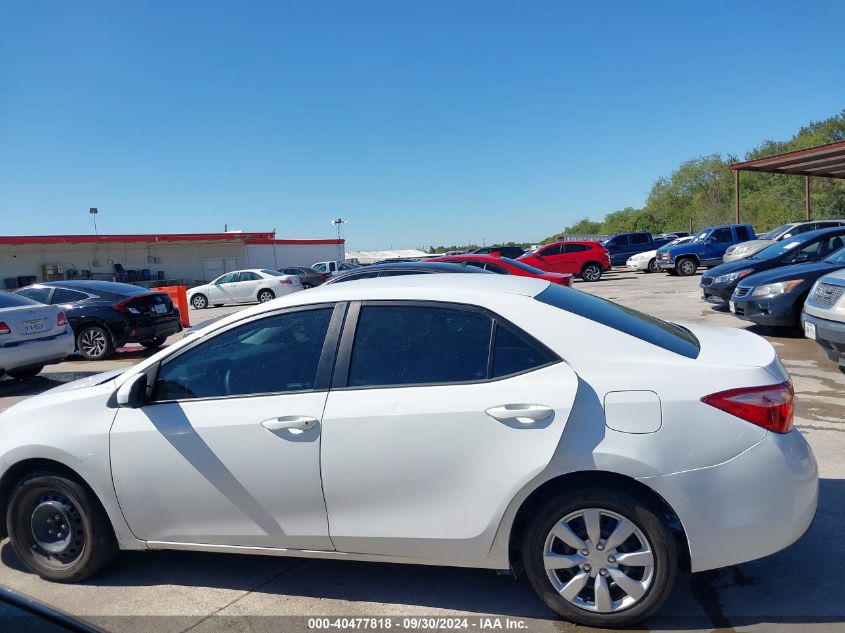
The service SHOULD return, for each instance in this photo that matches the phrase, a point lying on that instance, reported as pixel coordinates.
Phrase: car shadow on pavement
(40, 383)
(758, 592)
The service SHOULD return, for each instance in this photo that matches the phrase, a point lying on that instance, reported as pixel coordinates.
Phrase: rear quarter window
(668, 336)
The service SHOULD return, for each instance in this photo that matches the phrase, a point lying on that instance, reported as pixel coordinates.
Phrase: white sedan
(464, 420)
(647, 262)
(31, 335)
(243, 286)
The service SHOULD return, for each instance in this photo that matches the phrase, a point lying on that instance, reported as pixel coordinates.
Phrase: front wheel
(653, 267)
(591, 272)
(58, 528)
(266, 295)
(95, 343)
(199, 302)
(600, 557)
(686, 267)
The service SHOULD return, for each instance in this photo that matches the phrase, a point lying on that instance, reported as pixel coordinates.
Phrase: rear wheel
(94, 343)
(58, 528)
(600, 557)
(156, 342)
(652, 266)
(591, 272)
(266, 295)
(686, 266)
(27, 372)
(199, 302)
(306, 285)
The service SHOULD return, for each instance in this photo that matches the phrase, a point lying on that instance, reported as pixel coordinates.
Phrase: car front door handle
(293, 423)
(525, 414)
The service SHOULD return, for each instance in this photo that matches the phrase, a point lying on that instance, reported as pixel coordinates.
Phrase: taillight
(121, 306)
(324, 277)
(285, 280)
(771, 407)
(61, 319)
(5, 329)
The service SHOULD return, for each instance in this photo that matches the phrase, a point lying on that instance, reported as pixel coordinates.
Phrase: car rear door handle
(523, 413)
(293, 423)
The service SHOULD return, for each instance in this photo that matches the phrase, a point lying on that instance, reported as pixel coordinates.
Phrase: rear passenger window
(742, 233)
(62, 295)
(639, 238)
(398, 345)
(513, 354)
(574, 248)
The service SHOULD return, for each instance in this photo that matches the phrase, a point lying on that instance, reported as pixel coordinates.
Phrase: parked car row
(794, 282)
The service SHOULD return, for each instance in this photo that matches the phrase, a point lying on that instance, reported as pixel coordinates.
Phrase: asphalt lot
(176, 591)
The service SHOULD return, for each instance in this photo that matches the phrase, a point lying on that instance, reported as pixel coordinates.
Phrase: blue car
(705, 249)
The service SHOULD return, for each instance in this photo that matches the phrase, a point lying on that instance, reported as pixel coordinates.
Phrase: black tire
(672, 272)
(591, 272)
(28, 372)
(89, 544)
(306, 285)
(645, 516)
(686, 266)
(266, 295)
(156, 342)
(94, 342)
(652, 266)
(199, 301)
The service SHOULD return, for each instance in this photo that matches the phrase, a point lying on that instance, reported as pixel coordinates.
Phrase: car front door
(227, 451)
(716, 244)
(223, 289)
(428, 433)
(247, 286)
(549, 259)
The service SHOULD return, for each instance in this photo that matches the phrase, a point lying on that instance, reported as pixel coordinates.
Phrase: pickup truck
(623, 245)
(705, 249)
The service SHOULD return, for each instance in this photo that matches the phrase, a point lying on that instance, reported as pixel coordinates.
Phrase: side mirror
(711, 240)
(133, 393)
(801, 257)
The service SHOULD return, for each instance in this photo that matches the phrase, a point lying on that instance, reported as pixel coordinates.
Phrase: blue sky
(428, 122)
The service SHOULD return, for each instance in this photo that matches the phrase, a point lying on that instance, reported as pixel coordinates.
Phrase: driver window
(722, 235)
(273, 355)
(227, 278)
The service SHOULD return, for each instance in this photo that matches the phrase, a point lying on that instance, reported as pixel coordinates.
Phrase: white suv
(824, 316)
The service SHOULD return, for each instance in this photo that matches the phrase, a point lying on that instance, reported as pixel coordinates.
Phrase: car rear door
(227, 451)
(428, 434)
(246, 288)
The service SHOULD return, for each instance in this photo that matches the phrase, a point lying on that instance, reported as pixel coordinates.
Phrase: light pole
(93, 211)
(338, 222)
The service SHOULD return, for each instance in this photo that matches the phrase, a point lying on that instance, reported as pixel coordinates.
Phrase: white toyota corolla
(501, 422)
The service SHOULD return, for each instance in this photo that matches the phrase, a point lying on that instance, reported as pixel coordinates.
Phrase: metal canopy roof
(825, 161)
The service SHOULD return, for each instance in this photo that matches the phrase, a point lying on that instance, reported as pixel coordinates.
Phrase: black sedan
(404, 268)
(308, 277)
(106, 315)
(718, 284)
(776, 297)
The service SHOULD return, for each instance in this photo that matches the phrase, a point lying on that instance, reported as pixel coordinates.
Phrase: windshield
(700, 237)
(775, 232)
(521, 266)
(777, 249)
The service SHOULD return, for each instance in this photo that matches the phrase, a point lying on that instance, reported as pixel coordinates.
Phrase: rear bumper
(38, 352)
(830, 335)
(144, 329)
(753, 505)
(778, 311)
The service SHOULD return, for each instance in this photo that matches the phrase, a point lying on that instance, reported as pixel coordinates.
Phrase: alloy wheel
(265, 296)
(591, 273)
(653, 267)
(599, 560)
(687, 267)
(93, 342)
(199, 302)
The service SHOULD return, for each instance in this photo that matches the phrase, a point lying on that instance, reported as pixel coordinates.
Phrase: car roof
(477, 257)
(809, 236)
(95, 285)
(448, 267)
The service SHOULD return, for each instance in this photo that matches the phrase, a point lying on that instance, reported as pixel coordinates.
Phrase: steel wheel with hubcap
(199, 302)
(591, 272)
(58, 528)
(94, 343)
(686, 267)
(653, 267)
(266, 295)
(601, 557)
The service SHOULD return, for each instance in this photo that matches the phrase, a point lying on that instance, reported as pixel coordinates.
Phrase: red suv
(588, 260)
